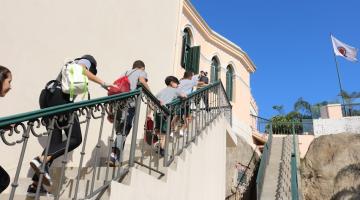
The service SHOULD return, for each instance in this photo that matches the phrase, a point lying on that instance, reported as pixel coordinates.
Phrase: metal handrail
(193, 94)
(265, 159)
(154, 100)
(201, 117)
(258, 117)
(84, 112)
(13, 119)
(294, 178)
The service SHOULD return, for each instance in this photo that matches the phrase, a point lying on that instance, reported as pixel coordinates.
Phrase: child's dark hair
(170, 79)
(205, 73)
(138, 64)
(4, 74)
(92, 60)
(188, 74)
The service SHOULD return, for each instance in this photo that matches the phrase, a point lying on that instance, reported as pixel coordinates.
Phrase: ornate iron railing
(262, 125)
(351, 110)
(93, 178)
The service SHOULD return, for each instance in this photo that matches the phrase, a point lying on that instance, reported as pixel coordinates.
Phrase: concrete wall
(199, 175)
(38, 35)
(304, 143)
(335, 126)
(331, 111)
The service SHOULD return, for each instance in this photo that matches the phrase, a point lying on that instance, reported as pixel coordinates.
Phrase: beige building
(37, 36)
(37, 40)
(223, 60)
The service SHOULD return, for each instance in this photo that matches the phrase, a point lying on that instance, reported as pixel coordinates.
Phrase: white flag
(344, 50)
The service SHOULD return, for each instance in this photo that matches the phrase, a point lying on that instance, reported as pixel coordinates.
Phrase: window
(214, 76)
(190, 56)
(229, 81)
(186, 45)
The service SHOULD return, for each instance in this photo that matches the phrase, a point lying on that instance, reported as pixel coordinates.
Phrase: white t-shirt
(187, 85)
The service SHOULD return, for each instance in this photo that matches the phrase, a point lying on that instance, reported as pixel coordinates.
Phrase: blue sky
(289, 43)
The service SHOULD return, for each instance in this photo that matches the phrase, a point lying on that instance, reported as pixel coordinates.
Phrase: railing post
(294, 184)
(167, 138)
(293, 127)
(135, 130)
(82, 153)
(64, 161)
(21, 159)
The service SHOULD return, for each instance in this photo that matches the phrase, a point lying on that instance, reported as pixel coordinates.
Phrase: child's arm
(142, 80)
(180, 94)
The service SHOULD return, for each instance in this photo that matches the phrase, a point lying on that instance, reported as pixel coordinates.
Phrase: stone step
(66, 192)
(87, 173)
(24, 197)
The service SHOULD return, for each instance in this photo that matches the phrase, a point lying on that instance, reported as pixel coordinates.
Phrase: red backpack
(122, 83)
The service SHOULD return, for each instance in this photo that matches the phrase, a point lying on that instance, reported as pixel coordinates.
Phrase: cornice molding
(216, 39)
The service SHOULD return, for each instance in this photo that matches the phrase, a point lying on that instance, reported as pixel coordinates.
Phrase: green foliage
(286, 124)
(279, 109)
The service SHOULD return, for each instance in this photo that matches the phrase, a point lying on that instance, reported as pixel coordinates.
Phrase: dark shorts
(184, 110)
(160, 123)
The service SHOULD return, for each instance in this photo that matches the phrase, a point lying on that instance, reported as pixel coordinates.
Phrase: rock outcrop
(331, 168)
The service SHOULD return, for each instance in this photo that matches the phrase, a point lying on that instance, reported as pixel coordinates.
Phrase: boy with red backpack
(125, 118)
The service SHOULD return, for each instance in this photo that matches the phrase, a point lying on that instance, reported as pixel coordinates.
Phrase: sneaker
(31, 191)
(113, 160)
(160, 151)
(36, 166)
(182, 133)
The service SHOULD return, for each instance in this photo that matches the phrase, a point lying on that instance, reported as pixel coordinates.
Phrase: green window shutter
(186, 45)
(217, 73)
(193, 60)
(214, 76)
(188, 61)
(229, 83)
(183, 51)
(195, 57)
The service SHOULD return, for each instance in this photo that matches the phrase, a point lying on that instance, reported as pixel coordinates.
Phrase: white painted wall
(242, 129)
(335, 126)
(201, 175)
(38, 35)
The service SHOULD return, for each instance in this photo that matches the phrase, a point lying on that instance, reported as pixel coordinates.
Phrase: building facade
(223, 60)
(38, 36)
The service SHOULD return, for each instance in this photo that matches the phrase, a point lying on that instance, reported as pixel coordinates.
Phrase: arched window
(214, 76)
(229, 81)
(190, 55)
(185, 47)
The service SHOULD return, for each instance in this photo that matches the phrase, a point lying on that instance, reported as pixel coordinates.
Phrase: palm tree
(349, 102)
(303, 107)
(279, 109)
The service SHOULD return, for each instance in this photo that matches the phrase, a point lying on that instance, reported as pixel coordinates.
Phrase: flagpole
(338, 75)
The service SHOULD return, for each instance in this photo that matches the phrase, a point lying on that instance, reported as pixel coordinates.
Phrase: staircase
(193, 166)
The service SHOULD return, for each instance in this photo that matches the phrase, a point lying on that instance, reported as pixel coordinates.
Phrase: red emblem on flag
(342, 50)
